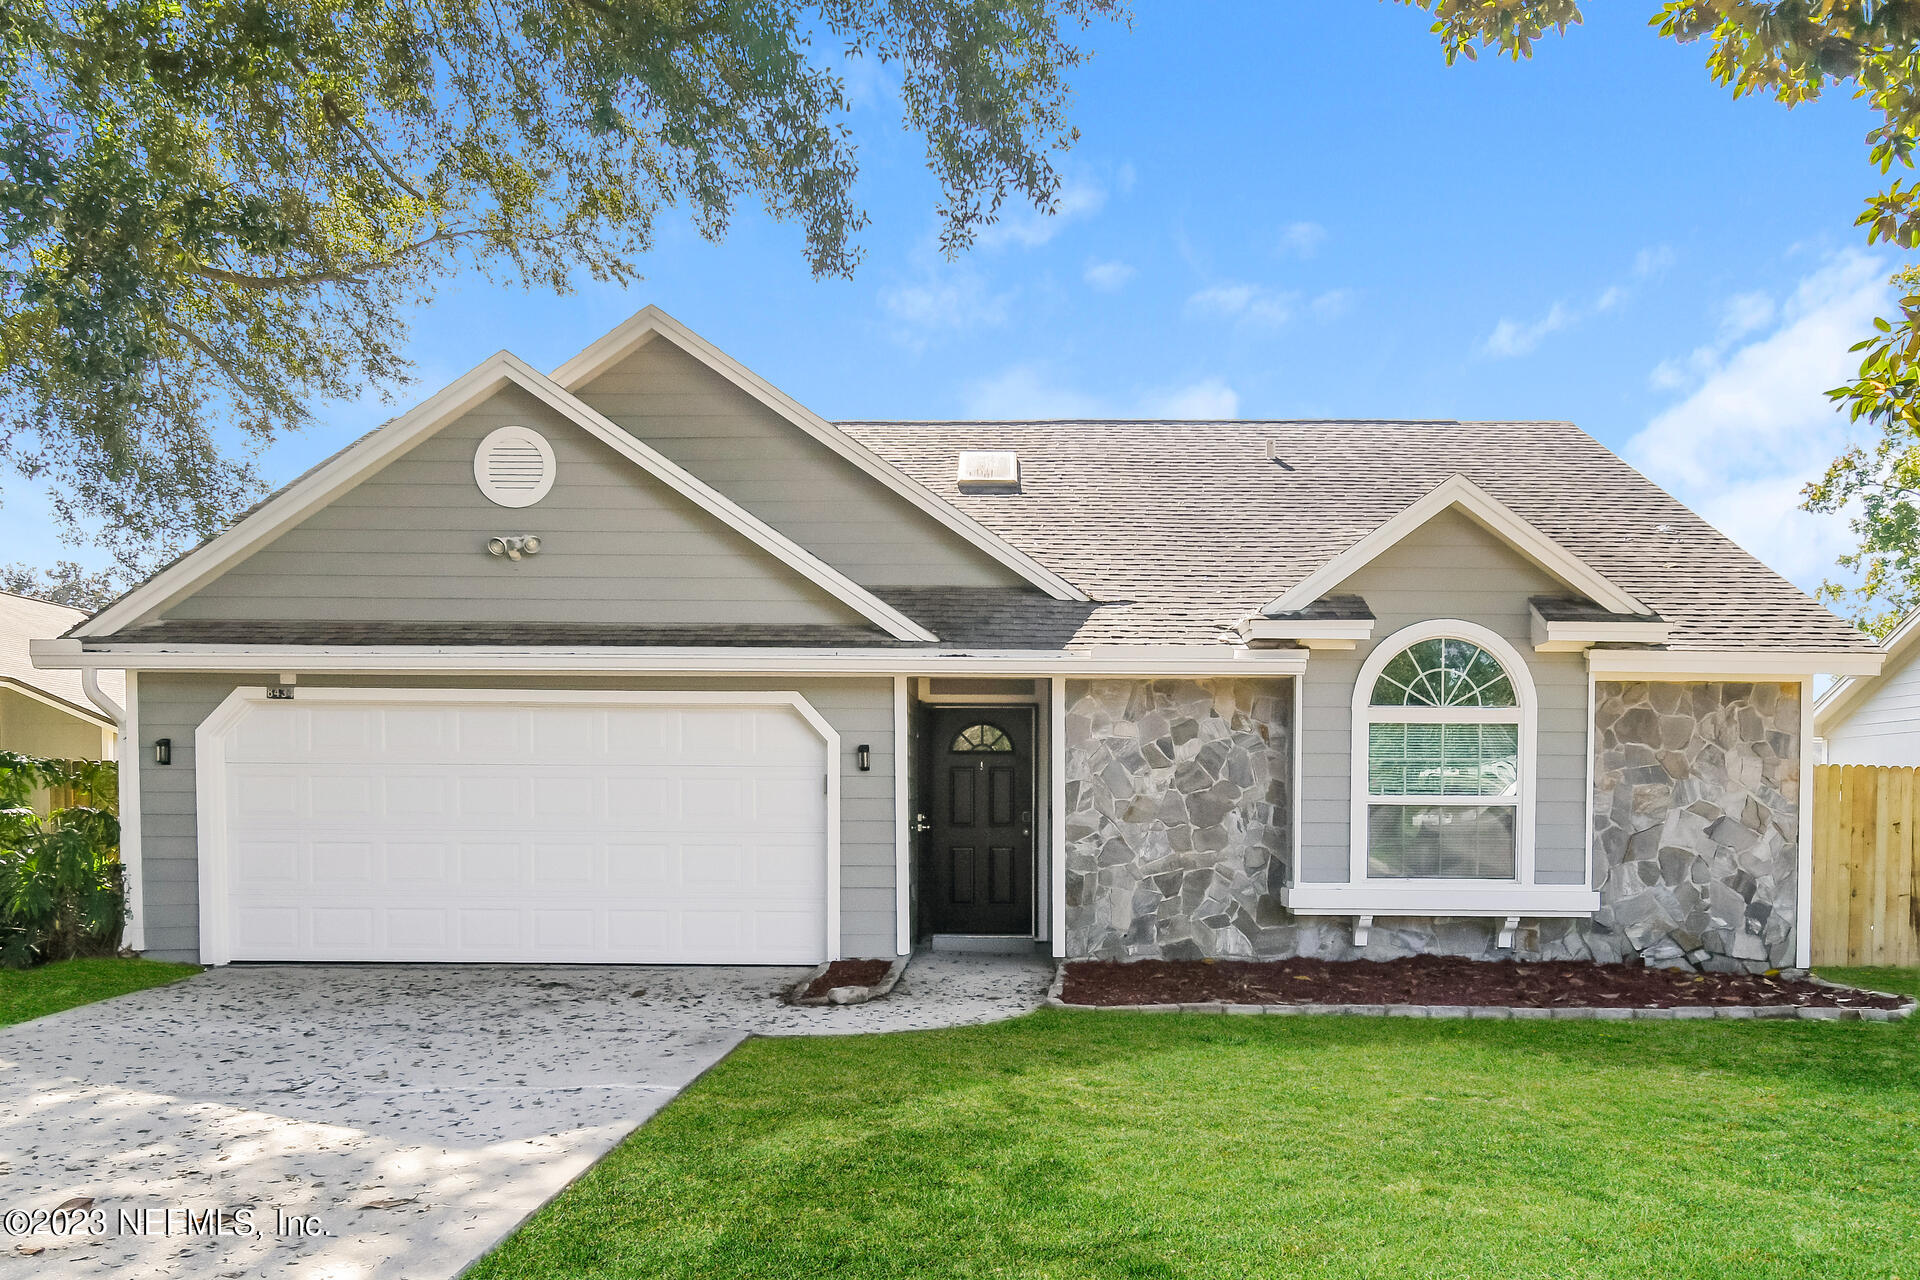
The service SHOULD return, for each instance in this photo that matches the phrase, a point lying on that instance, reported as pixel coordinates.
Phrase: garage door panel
(488, 864)
(338, 862)
(470, 849)
(408, 861)
(564, 865)
(272, 931)
(342, 928)
(563, 800)
(485, 735)
(410, 733)
(267, 862)
(640, 866)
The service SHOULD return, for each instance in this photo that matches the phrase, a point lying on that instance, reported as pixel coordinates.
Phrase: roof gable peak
(651, 323)
(1457, 491)
(361, 459)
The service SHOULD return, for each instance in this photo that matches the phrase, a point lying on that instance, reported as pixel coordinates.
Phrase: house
(1875, 719)
(642, 661)
(48, 712)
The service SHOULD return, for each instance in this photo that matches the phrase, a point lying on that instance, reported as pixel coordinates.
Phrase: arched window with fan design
(1443, 758)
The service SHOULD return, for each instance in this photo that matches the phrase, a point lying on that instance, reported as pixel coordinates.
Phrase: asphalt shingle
(1195, 525)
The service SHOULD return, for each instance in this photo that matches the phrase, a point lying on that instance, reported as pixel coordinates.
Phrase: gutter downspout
(135, 936)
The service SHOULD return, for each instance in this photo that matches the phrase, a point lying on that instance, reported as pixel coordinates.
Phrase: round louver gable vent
(514, 466)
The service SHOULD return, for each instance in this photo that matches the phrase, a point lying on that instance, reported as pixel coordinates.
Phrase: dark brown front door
(977, 867)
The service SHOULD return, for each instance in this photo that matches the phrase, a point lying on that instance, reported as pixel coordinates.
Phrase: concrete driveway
(377, 1120)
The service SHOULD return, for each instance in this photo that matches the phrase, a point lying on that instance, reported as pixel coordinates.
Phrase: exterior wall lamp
(163, 750)
(863, 756)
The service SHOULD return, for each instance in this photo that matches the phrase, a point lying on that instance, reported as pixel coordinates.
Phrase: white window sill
(1439, 898)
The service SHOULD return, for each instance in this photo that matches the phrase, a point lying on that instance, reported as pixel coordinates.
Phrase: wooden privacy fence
(1864, 865)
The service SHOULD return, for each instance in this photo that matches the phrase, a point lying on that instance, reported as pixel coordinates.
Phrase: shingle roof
(1195, 525)
(24, 619)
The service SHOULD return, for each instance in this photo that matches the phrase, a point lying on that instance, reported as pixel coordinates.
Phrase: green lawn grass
(1082, 1144)
(34, 993)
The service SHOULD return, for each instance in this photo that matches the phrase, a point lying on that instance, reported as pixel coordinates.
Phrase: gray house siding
(1883, 728)
(409, 544)
(1448, 568)
(173, 706)
(677, 405)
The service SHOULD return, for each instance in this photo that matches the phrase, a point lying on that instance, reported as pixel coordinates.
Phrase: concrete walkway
(417, 1113)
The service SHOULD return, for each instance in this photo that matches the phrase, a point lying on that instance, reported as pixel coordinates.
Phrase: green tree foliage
(216, 212)
(62, 891)
(1795, 50)
(67, 583)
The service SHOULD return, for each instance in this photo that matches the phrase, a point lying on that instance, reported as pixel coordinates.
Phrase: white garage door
(555, 833)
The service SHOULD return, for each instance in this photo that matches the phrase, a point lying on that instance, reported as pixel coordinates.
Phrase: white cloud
(1302, 239)
(1027, 227)
(1252, 303)
(1743, 313)
(1108, 277)
(1024, 391)
(1513, 337)
(945, 299)
(1027, 391)
(1332, 304)
(1208, 398)
(1652, 261)
(869, 82)
(1740, 315)
(1516, 338)
(1758, 425)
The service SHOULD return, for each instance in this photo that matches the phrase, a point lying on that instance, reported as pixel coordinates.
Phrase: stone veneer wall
(1179, 799)
(1696, 817)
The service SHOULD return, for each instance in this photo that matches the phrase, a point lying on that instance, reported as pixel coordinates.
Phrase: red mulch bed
(847, 973)
(1440, 980)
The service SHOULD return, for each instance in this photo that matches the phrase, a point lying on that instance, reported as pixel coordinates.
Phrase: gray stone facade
(1696, 824)
(1178, 803)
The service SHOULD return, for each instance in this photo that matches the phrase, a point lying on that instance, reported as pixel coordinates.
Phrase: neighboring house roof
(22, 619)
(1845, 696)
(1198, 525)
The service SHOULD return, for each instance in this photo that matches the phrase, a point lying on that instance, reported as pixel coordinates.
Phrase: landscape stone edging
(1601, 1013)
(853, 995)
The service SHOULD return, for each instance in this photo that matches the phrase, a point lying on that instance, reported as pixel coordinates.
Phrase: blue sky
(1298, 210)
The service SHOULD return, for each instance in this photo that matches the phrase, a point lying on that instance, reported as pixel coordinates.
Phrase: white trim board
(478, 660)
(131, 759)
(1441, 898)
(1566, 635)
(210, 772)
(1803, 898)
(1057, 799)
(355, 463)
(647, 323)
(902, 826)
(1485, 510)
(1727, 664)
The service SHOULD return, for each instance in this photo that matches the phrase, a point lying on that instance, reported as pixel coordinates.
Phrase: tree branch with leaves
(1794, 51)
(217, 213)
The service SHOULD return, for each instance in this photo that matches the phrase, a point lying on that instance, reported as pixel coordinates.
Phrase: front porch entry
(979, 822)
(978, 859)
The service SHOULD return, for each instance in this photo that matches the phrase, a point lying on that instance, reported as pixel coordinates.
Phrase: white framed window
(1444, 725)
